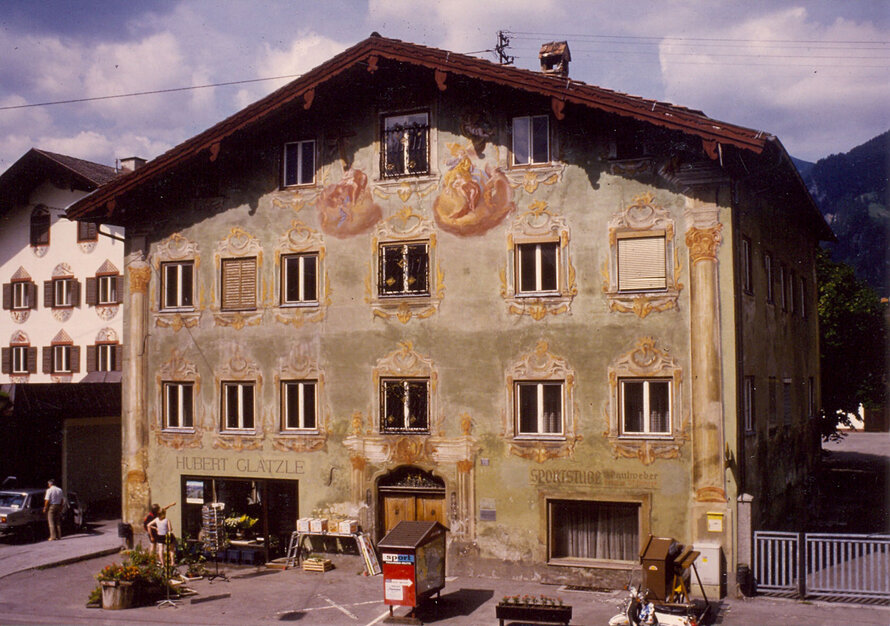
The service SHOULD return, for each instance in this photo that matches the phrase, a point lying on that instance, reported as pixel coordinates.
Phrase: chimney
(131, 164)
(555, 57)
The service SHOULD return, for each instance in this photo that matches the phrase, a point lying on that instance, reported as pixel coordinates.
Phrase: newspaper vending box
(413, 559)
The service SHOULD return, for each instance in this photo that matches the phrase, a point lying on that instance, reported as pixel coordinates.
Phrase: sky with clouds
(814, 73)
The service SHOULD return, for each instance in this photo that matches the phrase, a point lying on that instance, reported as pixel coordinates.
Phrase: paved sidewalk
(256, 595)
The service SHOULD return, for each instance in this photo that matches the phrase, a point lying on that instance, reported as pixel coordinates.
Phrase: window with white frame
(747, 279)
(177, 285)
(404, 269)
(106, 357)
(179, 405)
(531, 139)
(405, 144)
(645, 406)
(404, 405)
(19, 360)
(63, 292)
(768, 270)
(299, 163)
(238, 405)
(107, 292)
(63, 362)
(239, 284)
(537, 268)
(591, 530)
(642, 261)
(23, 293)
(748, 403)
(299, 279)
(298, 405)
(539, 408)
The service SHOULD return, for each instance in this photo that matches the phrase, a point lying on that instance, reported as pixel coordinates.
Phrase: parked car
(21, 511)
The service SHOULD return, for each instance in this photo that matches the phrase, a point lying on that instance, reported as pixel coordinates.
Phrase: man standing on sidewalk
(52, 506)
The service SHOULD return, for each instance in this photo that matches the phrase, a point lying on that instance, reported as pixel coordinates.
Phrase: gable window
(40, 222)
(747, 282)
(299, 163)
(646, 406)
(19, 360)
(237, 405)
(748, 403)
(299, 283)
(179, 404)
(537, 266)
(641, 261)
(531, 139)
(404, 269)
(768, 270)
(405, 144)
(404, 405)
(298, 405)
(584, 529)
(239, 284)
(87, 231)
(539, 408)
(177, 285)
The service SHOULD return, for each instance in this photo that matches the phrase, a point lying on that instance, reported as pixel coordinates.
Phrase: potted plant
(533, 609)
(117, 584)
(137, 581)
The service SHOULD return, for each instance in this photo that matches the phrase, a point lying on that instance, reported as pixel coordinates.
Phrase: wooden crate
(317, 565)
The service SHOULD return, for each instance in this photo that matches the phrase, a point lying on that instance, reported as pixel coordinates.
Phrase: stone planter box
(117, 594)
(534, 613)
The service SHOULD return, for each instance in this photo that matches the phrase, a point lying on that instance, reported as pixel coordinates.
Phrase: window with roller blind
(642, 261)
(239, 282)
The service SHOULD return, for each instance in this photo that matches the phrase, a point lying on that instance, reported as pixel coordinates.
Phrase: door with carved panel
(410, 494)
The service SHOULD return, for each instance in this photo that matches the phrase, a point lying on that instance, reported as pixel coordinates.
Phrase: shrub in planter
(141, 571)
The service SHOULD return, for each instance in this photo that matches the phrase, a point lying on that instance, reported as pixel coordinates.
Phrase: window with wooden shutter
(238, 284)
(40, 223)
(641, 263)
(87, 231)
(5, 360)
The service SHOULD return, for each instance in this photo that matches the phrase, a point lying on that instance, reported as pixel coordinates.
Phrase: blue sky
(814, 73)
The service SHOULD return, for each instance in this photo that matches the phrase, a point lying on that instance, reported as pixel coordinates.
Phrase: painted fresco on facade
(346, 208)
(474, 199)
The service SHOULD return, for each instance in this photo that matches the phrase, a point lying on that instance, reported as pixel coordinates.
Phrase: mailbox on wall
(413, 559)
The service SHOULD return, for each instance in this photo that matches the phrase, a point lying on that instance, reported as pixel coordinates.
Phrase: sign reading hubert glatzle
(278, 467)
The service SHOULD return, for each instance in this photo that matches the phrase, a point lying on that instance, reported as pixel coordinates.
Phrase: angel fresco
(473, 200)
(347, 208)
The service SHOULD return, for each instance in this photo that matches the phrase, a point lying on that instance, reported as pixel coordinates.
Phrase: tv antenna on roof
(503, 43)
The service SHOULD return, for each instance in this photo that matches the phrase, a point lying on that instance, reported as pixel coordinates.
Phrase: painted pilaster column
(703, 239)
(134, 423)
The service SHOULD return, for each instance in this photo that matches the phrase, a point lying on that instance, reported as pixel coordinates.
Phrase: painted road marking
(382, 615)
(337, 606)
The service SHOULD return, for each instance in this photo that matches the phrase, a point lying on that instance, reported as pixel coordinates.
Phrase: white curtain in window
(595, 530)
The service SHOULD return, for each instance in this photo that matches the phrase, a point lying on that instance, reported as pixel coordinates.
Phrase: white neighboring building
(60, 327)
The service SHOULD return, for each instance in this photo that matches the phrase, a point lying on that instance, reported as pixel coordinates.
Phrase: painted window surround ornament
(646, 360)
(539, 224)
(405, 226)
(241, 369)
(641, 216)
(300, 239)
(178, 368)
(239, 244)
(175, 248)
(541, 365)
(297, 365)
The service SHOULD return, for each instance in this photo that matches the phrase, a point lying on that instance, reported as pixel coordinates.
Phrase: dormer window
(299, 163)
(405, 145)
(531, 140)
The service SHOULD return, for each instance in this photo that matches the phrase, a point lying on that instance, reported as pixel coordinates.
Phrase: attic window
(405, 145)
(531, 139)
(299, 163)
(40, 221)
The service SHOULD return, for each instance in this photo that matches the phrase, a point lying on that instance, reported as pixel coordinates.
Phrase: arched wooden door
(409, 493)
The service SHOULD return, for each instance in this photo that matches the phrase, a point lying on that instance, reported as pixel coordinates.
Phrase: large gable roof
(374, 49)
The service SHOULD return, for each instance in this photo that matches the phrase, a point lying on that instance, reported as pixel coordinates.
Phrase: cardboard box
(318, 525)
(303, 525)
(348, 526)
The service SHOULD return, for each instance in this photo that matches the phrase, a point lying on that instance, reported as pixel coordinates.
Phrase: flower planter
(117, 594)
(534, 613)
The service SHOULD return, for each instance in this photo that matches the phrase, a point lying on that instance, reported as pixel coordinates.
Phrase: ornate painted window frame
(642, 216)
(241, 369)
(301, 239)
(646, 360)
(179, 369)
(406, 363)
(541, 365)
(539, 225)
(175, 248)
(298, 366)
(20, 339)
(405, 226)
(238, 244)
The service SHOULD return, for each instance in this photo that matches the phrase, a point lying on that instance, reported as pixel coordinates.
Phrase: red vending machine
(413, 559)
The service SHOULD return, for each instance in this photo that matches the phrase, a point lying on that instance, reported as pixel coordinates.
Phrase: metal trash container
(657, 559)
(413, 556)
